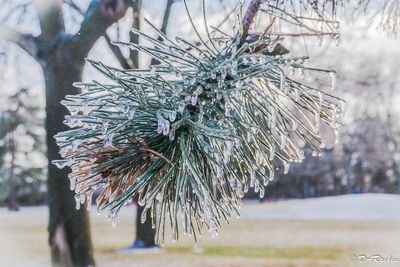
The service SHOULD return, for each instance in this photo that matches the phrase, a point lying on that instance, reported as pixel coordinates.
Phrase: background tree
(365, 158)
(62, 57)
(21, 168)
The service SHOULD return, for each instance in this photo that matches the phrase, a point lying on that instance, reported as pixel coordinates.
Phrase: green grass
(328, 253)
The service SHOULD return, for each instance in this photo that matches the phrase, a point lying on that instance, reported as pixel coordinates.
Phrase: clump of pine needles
(190, 135)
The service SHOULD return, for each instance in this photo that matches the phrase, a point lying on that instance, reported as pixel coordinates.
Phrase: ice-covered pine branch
(190, 135)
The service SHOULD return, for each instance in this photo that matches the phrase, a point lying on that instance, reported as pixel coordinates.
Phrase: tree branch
(51, 21)
(134, 38)
(164, 25)
(117, 53)
(74, 6)
(167, 14)
(249, 16)
(26, 41)
(100, 15)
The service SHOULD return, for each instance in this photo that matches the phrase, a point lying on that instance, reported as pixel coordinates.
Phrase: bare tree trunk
(13, 204)
(144, 232)
(13, 199)
(69, 231)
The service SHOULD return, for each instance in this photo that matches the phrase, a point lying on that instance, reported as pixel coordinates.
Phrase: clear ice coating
(179, 133)
(333, 80)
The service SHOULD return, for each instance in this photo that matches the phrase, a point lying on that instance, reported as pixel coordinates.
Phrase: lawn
(266, 235)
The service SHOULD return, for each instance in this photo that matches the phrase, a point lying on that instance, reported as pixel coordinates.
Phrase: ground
(312, 232)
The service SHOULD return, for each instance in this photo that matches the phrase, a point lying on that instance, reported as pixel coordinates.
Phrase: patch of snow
(345, 207)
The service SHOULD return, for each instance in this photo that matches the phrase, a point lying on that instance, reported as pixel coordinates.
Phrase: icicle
(78, 202)
(163, 99)
(272, 175)
(233, 68)
(223, 74)
(337, 39)
(141, 201)
(227, 108)
(296, 94)
(198, 90)
(131, 113)
(172, 135)
(172, 115)
(336, 136)
(317, 120)
(181, 107)
(322, 145)
(246, 187)
(273, 117)
(320, 40)
(272, 46)
(194, 100)
(166, 128)
(320, 96)
(200, 116)
(143, 217)
(89, 200)
(60, 163)
(238, 142)
(287, 88)
(303, 73)
(272, 153)
(294, 125)
(104, 127)
(262, 191)
(283, 140)
(108, 140)
(72, 181)
(341, 108)
(114, 221)
(333, 79)
(252, 178)
(249, 136)
(152, 71)
(282, 83)
(286, 167)
(160, 126)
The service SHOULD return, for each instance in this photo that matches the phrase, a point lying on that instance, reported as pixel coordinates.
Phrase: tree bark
(62, 58)
(69, 230)
(144, 232)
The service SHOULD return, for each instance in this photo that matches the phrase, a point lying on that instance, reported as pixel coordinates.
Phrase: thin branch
(134, 38)
(249, 17)
(167, 14)
(74, 6)
(164, 25)
(100, 15)
(117, 53)
(26, 41)
(157, 154)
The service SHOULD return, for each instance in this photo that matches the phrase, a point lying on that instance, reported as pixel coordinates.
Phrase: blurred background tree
(68, 31)
(61, 55)
(22, 143)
